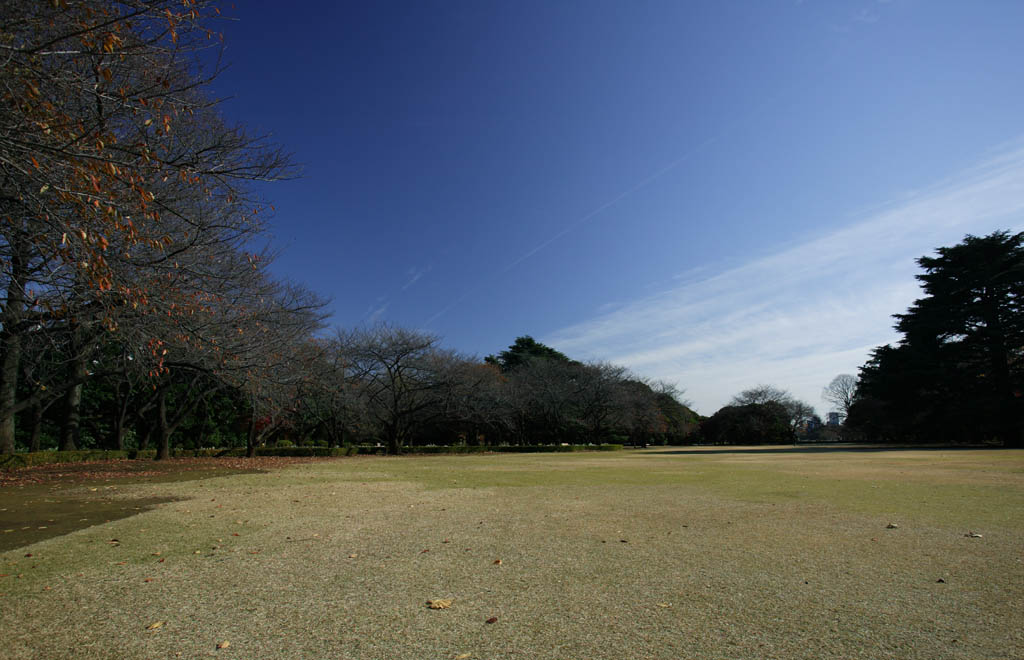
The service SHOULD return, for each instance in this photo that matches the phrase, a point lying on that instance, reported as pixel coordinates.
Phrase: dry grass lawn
(644, 554)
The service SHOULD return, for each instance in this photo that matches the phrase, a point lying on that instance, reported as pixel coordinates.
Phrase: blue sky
(719, 194)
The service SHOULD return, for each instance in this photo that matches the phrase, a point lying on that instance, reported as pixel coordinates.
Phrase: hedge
(518, 449)
(12, 461)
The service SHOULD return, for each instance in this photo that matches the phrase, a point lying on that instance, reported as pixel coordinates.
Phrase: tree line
(137, 308)
(955, 377)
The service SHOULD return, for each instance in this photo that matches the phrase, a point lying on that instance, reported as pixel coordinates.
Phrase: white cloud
(414, 276)
(376, 313)
(798, 317)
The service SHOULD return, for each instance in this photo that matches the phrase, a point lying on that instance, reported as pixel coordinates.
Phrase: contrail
(643, 183)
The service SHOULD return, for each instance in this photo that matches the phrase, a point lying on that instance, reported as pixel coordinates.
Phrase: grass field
(675, 553)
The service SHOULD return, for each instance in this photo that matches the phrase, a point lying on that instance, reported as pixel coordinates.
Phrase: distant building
(833, 419)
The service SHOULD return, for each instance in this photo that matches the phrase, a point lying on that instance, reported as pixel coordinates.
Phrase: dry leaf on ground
(155, 625)
(224, 644)
(439, 604)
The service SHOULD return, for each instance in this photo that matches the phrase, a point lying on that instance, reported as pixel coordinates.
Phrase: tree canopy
(522, 351)
(957, 374)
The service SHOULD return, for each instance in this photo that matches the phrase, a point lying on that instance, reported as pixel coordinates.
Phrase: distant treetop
(525, 349)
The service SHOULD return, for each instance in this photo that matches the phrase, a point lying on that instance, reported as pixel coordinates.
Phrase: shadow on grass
(52, 500)
(28, 517)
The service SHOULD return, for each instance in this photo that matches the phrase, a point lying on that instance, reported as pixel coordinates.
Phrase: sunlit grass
(699, 554)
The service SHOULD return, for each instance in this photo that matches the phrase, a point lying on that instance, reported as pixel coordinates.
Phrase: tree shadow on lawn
(45, 501)
(30, 516)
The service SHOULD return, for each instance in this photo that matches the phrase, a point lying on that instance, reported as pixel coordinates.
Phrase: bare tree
(113, 165)
(399, 377)
(330, 399)
(798, 412)
(841, 393)
(599, 398)
(760, 394)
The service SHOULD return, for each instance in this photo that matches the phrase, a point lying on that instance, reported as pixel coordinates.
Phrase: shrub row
(11, 461)
(521, 449)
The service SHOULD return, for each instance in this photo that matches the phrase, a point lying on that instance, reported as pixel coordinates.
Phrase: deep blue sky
(688, 188)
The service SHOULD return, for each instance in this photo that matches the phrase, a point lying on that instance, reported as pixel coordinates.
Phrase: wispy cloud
(798, 317)
(414, 276)
(376, 312)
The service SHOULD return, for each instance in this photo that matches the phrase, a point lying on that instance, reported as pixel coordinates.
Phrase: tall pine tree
(958, 371)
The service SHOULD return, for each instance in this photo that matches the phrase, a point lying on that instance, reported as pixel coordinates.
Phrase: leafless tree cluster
(400, 387)
(126, 220)
(797, 411)
(132, 304)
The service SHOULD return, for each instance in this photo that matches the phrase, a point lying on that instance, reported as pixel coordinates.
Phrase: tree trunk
(73, 402)
(163, 448)
(10, 346)
(117, 435)
(394, 442)
(120, 417)
(250, 440)
(37, 427)
(8, 388)
(143, 431)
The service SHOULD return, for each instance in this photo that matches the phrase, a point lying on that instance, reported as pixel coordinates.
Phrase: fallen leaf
(155, 625)
(353, 556)
(497, 562)
(493, 619)
(664, 604)
(439, 604)
(148, 580)
(161, 560)
(422, 551)
(463, 656)
(224, 644)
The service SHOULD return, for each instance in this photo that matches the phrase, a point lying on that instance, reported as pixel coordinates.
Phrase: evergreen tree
(957, 374)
